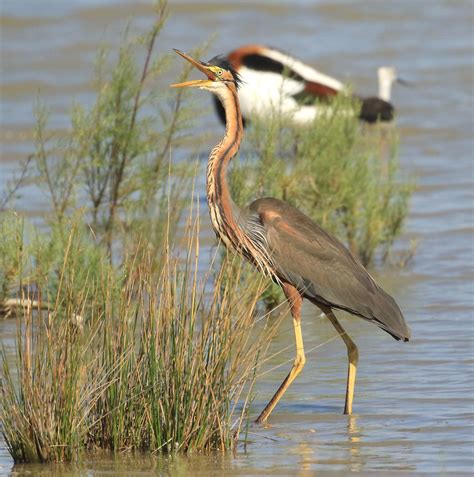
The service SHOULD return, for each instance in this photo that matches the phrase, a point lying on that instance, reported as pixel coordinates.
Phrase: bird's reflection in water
(307, 451)
(353, 433)
(312, 452)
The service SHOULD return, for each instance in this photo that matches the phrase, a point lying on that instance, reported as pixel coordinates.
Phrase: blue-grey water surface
(414, 402)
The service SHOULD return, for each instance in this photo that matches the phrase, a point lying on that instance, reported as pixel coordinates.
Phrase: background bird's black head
(223, 62)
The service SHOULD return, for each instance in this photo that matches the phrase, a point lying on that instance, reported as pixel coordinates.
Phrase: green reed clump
(344, 176)
(44, 396)
(133, 359)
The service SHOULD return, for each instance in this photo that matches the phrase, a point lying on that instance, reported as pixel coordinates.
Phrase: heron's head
(220, 75)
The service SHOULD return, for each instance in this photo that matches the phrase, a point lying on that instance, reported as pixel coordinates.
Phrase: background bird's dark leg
(295, 301)
(353, 356)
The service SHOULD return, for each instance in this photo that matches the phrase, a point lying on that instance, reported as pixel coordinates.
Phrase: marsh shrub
(111, 166)
(113, 160)
(343, 175)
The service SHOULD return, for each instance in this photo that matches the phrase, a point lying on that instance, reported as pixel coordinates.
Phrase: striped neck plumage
(222, 209)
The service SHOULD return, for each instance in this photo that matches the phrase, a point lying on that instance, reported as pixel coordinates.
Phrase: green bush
(343, 176)
(113, 161)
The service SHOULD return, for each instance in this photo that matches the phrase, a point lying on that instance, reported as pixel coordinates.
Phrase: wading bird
(387, 75)
(379, 108)
(274, 81)
(287, 245)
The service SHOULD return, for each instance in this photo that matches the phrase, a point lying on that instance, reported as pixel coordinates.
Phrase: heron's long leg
(295, 300)
(353, 356)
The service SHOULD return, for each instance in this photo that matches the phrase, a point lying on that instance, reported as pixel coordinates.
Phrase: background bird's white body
(274, 82)
(304, 70)
(265, 92)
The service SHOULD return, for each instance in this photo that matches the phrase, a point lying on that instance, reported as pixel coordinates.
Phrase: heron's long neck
(222, 209)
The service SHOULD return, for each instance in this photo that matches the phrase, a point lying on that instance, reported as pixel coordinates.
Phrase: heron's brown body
(287, 245)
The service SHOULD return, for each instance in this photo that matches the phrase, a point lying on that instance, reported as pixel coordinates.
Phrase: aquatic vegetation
(343, 176)
(120, 345)
(123, 345)
(113, 160)
(133, 358)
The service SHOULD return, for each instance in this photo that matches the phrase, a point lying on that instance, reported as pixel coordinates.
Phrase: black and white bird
(379, 108)
(275, 81)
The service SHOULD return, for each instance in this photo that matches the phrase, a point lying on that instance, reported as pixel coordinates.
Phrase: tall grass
(142, 360)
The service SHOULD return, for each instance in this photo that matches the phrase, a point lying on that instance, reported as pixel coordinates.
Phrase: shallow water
(414, 402)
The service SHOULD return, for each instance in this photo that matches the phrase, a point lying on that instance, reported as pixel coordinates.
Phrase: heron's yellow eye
(218, 71)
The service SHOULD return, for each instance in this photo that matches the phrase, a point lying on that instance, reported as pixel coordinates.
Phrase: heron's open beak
(211, 77)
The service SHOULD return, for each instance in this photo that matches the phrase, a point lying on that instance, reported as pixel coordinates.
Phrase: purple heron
(287, 245)
(274, 80)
